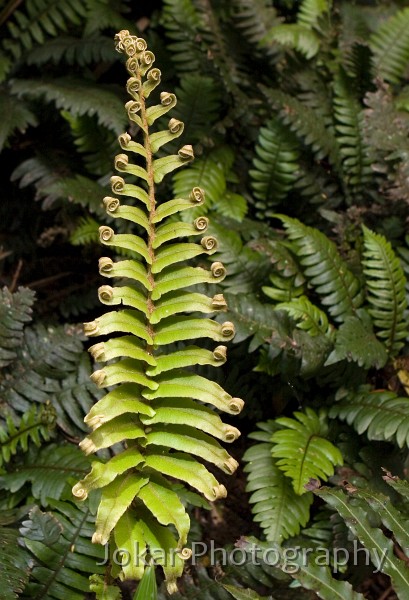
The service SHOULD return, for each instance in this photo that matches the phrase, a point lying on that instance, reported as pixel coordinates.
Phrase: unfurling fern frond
(390, 46)
(279, 511)
(325, 270)
(275, 166)
(385, 282)
(15, 312)
(380, 414)
(35, 425)
(349, 115)
(63, 557)
(302, 451)
(154, 405)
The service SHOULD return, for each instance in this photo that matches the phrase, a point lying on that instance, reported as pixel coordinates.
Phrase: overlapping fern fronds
(390, 46)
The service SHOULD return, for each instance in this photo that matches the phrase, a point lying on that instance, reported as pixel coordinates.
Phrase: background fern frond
(385, 282)
(301, 450)
(73, 51)
(79, 97)
(14, 564)
(275, 166)
(326, 271)
(279, 511)
(85, 232)
(15, 115)
(181, 22)
(311, 11)
(381, 415)
(15, 312)
(390, 46)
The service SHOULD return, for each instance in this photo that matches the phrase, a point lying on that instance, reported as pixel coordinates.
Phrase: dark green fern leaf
(181, 22)
(275, 166)
(254, 18)
(385, 282)
(390, 46)
(381, 415)
(279, 511)
(63, 554)
(48, 471)
(15, 312)
(15, 116)
(14, 564)
(39, 20)
(338, 288)
(73, 51)
(79, 97)
(35, 426)
(349, 115)
(302, 450)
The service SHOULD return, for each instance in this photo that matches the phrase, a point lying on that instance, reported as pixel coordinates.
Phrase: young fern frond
(390, 46)
(325, 270)
(156, 406)
(381, 415)
(385, 283)
(275, 166)
(301, 450)
(280, 512)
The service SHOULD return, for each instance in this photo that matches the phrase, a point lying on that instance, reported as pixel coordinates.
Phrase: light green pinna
(156, 406)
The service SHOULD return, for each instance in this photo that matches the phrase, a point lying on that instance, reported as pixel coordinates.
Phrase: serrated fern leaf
(85, 232)
(275, 166)
(41, 19)
(301, 450)
(311, 10)
(349, 115)
(326, 271)
(48, 470)
(279, 511)
(390, 46)
(63, 555)
(181, 22)
(35, 425)
(385, 283)
(79, 97)
(308, 317)
(14, 564)
(381, 415)
(15, 115)
(15, 312)
(73, 51)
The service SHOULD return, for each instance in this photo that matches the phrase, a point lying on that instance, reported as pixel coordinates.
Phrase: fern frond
(96, 143)
(295, 36)
(85, 232)
(356, 161)
(79, 97)
(182, 22)
(305, 123)
(254, 18)
(308, 317)
(81, 190)
(39, 20)
(385, 283)
(43, 172)
(15, 116)
(14, 564)
(390, 46)
(73, 51)
(302, 451)
(15, 312)
(287, 279)
(327, 273)
(198, 105)
(35, 425)
(279, 511)
(48, 471)
(275, 167)
(63, 555)
(381, 415)
(311, 11)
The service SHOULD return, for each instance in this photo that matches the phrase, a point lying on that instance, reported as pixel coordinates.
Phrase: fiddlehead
(159, 412)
